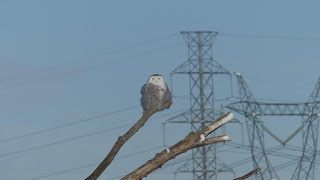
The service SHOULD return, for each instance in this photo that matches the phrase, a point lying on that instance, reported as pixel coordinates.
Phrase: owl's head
(157, 80)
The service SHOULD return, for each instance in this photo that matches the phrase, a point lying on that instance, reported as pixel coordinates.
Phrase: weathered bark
(192, 140)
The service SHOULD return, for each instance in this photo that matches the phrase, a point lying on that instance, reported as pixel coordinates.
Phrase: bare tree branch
(256, 171)
(192, 140)
(120, 142)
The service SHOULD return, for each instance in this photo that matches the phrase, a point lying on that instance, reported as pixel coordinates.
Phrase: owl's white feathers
(155, 93)
(158, 81)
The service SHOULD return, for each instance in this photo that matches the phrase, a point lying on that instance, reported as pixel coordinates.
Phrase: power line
(78, 137)
(118, 50)
(69, 124)
(269, 36)
(63, 141)
(93, 164)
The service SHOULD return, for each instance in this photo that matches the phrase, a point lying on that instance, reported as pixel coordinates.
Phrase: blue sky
(65, 61)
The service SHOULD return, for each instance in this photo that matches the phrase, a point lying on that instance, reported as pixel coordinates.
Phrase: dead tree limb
(192, 140)
(256, 171)
(120, 142)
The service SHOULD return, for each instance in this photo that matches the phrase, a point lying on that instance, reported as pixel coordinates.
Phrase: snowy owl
(155, 94)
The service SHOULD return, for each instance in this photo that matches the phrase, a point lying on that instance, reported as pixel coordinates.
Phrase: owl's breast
(161, 93)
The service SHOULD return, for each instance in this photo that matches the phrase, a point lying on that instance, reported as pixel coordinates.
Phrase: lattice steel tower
(200, 68)
(254, 111)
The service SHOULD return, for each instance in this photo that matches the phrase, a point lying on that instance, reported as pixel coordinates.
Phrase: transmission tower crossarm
(271, 109)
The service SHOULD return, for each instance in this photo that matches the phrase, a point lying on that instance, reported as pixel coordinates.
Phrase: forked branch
(192, 140)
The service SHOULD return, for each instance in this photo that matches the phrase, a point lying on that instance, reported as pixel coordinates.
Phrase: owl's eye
(152, 78)
(159, 78)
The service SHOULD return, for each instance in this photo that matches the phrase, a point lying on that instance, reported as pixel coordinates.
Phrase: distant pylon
(254, 111)
(310, 129)
(200, 68)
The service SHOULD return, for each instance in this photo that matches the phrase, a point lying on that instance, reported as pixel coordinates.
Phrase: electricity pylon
(200, 68)
(254, 111)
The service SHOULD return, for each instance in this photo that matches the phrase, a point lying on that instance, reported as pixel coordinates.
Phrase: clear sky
(71, 63)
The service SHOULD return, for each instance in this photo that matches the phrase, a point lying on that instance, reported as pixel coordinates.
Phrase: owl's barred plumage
(155, 93)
